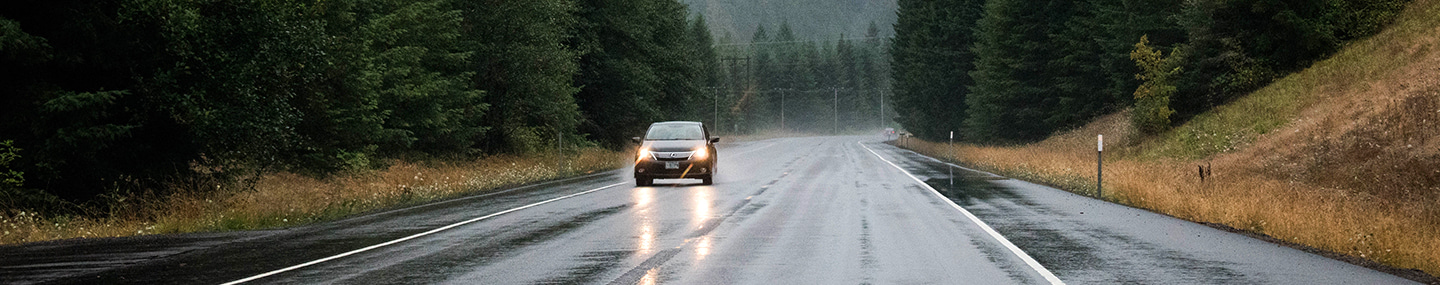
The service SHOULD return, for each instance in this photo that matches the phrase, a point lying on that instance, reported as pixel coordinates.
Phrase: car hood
(672, 146)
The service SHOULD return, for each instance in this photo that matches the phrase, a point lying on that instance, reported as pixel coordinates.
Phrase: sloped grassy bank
(1343, 156)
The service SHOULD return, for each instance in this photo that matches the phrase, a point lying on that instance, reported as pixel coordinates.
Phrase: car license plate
(672, 165)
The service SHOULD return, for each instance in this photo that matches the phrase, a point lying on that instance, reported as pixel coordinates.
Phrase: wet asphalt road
(822, 210)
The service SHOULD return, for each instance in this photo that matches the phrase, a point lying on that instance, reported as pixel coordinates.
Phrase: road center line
(1013, 249)
(317, 261)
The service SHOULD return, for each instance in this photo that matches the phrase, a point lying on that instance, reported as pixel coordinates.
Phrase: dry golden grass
(285, 199)
(1343, 156)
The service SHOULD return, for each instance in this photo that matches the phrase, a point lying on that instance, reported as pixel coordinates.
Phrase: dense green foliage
(1042, 66)
(114, 96)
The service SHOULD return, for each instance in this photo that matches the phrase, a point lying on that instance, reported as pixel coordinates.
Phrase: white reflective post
(1099, 165)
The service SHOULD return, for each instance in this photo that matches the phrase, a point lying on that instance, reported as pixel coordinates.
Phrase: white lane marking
(1013, 249)
(317, 261)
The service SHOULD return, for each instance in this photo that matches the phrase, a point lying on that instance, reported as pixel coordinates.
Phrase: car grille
(672, 156)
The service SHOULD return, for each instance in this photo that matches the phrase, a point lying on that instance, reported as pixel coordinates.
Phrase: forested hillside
(1030, 68)
(104, 98)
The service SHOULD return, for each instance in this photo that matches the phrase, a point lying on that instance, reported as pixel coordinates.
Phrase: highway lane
(820, 210)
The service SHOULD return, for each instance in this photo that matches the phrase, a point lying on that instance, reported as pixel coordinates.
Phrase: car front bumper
(650, 168)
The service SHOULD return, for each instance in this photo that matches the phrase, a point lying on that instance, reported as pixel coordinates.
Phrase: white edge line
(1013, 249)
(317, 261)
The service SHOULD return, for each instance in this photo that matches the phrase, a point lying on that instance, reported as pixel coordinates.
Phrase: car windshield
(675, 132)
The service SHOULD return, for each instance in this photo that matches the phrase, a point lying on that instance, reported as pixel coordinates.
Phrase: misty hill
(812, 19)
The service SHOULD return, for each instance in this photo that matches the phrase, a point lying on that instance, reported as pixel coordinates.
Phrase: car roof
(676, 123)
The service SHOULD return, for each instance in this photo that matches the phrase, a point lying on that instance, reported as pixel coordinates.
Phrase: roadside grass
(1343, 156)
(285, 199)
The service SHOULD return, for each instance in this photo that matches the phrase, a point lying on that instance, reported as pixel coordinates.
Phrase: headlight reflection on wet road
(704, 200)
(702, 248)
(643, 197)
(650, 277)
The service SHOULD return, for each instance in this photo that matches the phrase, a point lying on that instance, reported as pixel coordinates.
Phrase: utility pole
(715, 92)
(735, 76)
(837, 109)
(559, 151)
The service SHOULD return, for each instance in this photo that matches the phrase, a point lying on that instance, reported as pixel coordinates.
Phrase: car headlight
(644, 153)
(700, 153)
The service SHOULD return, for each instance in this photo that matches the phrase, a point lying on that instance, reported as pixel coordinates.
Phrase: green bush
(1152, 99)
(9, 178)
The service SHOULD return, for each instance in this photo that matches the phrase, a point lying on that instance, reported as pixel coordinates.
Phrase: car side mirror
(635, 139)
(714, 139)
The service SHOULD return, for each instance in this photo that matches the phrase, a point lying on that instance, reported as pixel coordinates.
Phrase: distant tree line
(780, 79)
(107, 96)
(1009, 71)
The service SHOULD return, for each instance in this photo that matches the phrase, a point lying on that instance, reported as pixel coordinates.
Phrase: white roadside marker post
(559, 152)
(1099, 165)
(952, 156)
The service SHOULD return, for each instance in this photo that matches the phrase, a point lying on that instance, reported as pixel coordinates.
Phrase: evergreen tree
(703, 51)
(1013, 98)
(873, 84)
(1078, 79)
(1121, 23)
(931, 55)
(522, 61)
(707, 64)
(636, 68)
(760, 104)
(787, 57)
(422, 76)
(764, 58)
